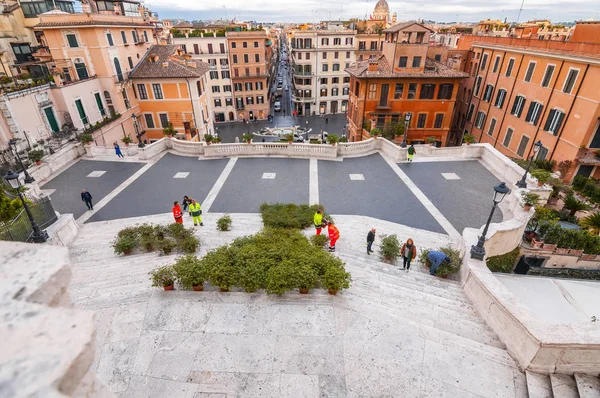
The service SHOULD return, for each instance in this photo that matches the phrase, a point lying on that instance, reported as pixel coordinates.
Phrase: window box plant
(208, 138)
(375, 132)
(86, 139)
(469, 139)
(344, 139)
(247, 137)
(36, 156)
(543, 176)
(127, 140)
(333, 139)
(336, 279)
(163, 277)
(390, 248)
(218, 140)
(169, 131)
(529, 199)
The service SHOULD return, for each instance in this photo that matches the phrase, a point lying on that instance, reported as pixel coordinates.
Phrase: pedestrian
(436, 259)
(408, 253)
(118, 150)
(411, 152)
(307, 122)
(318, 220)
(326, 120)
(334, 235)
(87, 198)
(196, 213)
(177, 213)
(370, 240)
(186, 202)
(284, 112)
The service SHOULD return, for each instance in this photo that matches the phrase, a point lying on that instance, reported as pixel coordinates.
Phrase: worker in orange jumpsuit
(177, 213)
(334, 235)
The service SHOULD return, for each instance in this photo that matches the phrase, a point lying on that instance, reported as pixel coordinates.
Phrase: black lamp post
(536, 148)
(13, 144)
(478, 251)
(39, 236)
(406, 123)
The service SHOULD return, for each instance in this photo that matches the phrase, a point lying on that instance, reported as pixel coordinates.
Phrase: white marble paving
(450, 176)
(268, 176)
(181, 174)
(357, 177)
(96, 173)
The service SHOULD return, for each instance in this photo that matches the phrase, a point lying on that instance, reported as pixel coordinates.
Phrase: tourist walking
(334, 235)
(87, 198)
(318, 220)
(408, 253)
(370, 240)
(186, 202)
(436, 259)
(326, 120)
(118, 150)
(411, 152)
(196, 213)
(177, 213)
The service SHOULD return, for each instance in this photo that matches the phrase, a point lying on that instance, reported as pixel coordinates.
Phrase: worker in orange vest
(177, 213)
(334, 235)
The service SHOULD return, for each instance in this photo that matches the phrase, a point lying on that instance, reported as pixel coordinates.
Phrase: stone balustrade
(151, 150)
(359, 148)
(272, 149)
(183, 147)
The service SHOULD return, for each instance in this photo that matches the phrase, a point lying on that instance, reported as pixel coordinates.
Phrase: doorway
(334, 107)
(585, 170)
(231, 116)
(49, 112)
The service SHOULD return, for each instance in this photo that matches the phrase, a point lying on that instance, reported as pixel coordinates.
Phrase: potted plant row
(36, 156)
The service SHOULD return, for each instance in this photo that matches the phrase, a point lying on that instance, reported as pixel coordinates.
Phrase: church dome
(382, 6)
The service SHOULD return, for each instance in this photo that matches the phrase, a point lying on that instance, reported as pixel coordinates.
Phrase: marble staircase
(563, 386)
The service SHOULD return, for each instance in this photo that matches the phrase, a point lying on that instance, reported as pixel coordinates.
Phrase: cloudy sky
(315, 10)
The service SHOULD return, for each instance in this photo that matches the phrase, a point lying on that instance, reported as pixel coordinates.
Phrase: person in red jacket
(177, 213)
(334, 235)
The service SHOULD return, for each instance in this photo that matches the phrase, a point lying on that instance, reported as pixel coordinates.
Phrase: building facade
(401, 81)
(523, 91)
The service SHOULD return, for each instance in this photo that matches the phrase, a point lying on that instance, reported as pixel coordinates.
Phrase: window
(335, 80)
(480, 119)
(142, 91)
(500, 98)
(134, 36)
(248, 86)
(307, 56)
(509, 68)
(183, 48)
(130, 61)
(72, 40)
(323, 80)
(80, 69)
(217, 102)
(228, 101)
(570, 81)
(507, 137)
(421, 120)
(439, 120)
(398, 90)
(427, 91)
(492, 127)
(227, 88)
(445, 91)
(416, 62)
(249, 100)
(356, 88)
(346, 79)
(149, 120)
(233, 44)
(336, 67)
(323, 92)
(124, 38)
(256, 58)
(349, 42)
(235, 59)
(336, 55)
(222, 48)
(530, 70)
(245, 44)
(335, 91)
(362, 45)
(487, 94)
(484, 61)
(146, 36)
(245, 58)
(373, 45)
(157, 90)
(518, 106)
(372, 91)
(214, 75)
(477, 86)
(548, 75)
(225, 74)
(402, 62)
(259, 85)
(324, 41)
(438, 57)
(324, 56)
(554, 121)
(470, 111)
(325, 67)
(496, 64)
(347, 54)
(256, 44)
(260, 99)
(412, 90)
(216, 89)
(109, 39)
(199, 88)
(345, 91)
(238, 86)
(164, 119)
(523, 146)
(534, 113)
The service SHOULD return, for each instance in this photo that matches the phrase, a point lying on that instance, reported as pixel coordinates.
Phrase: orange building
(522, 91)
(586, 32)
(171, 90)
(399, 81)
(249, 62)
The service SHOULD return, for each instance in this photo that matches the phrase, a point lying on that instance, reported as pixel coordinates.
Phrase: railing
(296, 73)
(272, 149)
(302, 99)
(20, 228)
(122, 78)
(588, 156)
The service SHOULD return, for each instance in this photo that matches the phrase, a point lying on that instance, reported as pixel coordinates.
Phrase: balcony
(122, 78)
(295, 47)
(239, 107)
(296, 73)
(250, 75)
(589, 157)
(295, 98)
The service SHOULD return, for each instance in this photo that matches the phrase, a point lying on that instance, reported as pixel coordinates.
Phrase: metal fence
(20, 228)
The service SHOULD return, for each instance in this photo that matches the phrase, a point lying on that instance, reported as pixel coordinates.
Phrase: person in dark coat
(118, 150)
(87, 198)
(408, 253)
(186, 202)
(370, 240)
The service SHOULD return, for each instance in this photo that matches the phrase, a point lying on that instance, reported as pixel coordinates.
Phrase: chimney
(165, 64)
(373, 65)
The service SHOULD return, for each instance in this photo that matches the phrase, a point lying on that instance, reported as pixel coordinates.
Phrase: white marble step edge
(538, 385)
(563, 386)
(588, 386)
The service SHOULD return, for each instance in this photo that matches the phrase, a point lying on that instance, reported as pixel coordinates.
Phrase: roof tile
(177, 67)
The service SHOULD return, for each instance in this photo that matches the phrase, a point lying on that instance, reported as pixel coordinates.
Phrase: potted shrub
(251, 277)
(169, 131)
(208, 138)
(375, 132)
(224, 223)
(424, 259)
(390, 248)
(306, 278)
(86, 139)
(469, 139)
(125, 244)
(166, 245)
(333, 139)
(289, 138)
(543, 176)
(319, 240)
(336, 279)
(529, 199)
(449, 268)
(344, 139)
(163, 277)
(36, 156)
(190, 272)
(247, 137)
(127, 140)
(219, 269)
(218, 140)
(189, 244)
(431, 140)
(280, 278)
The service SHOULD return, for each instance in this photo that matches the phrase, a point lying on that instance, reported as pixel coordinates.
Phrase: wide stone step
(588, 386)
(538, 385)
(563, 386)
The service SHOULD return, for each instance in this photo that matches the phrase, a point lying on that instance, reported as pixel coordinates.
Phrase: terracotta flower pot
(333, 292)
(170, 287)
(127, 144)
(540, 183)
(290, 142)
(537, 244)
(224, 289)
(589, 257)
(38, 162)
(527, 207)
(560, 250)
(198, 288)
(248, 141)
(549, 247)
(303, 291)
(575, 252)
(443, 276)
(468, 143)
(127, 252)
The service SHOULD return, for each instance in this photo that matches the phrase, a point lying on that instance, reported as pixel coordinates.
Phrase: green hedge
(289, 215)
(565, 273)
(577, 239)
(588, 187)
(148, 237)
(504, 262)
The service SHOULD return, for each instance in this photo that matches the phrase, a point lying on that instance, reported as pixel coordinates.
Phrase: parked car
(277, 107)
(286, 88)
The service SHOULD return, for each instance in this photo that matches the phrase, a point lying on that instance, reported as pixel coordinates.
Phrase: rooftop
(433, 69)
(166, 62)
(405, 25)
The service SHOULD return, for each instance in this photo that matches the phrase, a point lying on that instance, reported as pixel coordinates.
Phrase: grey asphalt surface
(245, 189)
(466, 202)
(155, 191)
(381, 195)
(69, 183)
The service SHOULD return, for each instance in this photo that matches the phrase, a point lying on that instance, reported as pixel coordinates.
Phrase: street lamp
(13, 144)
(406, 124)
(536, 148)
(39, 236)
(478, 251)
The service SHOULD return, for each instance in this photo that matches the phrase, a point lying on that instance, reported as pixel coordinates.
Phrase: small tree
(289, 137)
(208, 138)
(86, 138)
(333, 139)
(36, 155)
(469, 139)
(574, 205)
(127, 140)
(591, 223)
(224, 223)
(247, 137)
(169, 131)
(431, 140)
(390, 248)
(375, 132)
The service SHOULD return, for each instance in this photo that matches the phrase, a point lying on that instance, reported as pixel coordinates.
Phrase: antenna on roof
(520, 9)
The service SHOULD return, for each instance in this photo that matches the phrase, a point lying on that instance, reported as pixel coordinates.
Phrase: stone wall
(57, 161)
(553, 260)
(62, 231)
